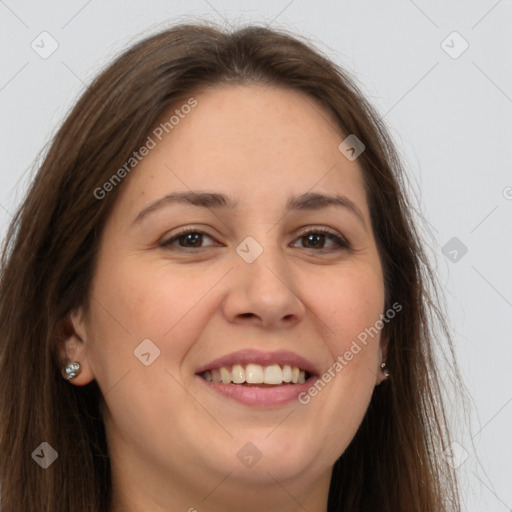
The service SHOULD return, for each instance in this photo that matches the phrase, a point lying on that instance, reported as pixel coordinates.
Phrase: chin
(281, 455)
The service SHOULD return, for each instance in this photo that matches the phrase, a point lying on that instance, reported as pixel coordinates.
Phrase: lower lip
(256, 396)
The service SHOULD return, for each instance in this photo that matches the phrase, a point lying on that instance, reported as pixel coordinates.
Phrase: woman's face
(272, 272)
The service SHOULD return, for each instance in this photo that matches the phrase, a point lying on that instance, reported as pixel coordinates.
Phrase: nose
(262, 293)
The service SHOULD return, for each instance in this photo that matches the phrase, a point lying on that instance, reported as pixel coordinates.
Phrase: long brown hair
(394, 462)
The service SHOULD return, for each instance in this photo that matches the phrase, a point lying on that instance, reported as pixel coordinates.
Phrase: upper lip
(248, 356)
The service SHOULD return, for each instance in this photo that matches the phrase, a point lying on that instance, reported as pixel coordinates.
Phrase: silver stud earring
(384, 369)
(72, 370)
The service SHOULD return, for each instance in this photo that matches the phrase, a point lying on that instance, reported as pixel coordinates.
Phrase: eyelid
(319, 229)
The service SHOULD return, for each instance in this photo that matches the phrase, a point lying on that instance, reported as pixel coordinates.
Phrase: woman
(214, 298)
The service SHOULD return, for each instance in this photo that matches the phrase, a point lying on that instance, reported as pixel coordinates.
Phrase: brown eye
(322, 239)
(190, 239)
(314, 240)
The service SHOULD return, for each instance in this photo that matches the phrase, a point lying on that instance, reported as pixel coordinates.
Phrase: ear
(72, 346)
(382, 358)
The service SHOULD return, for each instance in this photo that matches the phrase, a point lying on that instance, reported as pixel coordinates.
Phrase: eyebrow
(211, 200)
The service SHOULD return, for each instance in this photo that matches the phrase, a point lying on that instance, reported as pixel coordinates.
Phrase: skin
(173, 442)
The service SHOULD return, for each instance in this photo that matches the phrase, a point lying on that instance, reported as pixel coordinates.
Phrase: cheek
(134, 302)
(349, 303)
(349, 309)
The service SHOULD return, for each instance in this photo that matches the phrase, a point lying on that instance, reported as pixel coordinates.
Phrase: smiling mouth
(256, 375)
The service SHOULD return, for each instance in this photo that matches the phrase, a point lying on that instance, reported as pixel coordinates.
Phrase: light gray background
(450, 117)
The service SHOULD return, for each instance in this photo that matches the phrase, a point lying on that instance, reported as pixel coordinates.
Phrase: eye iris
(313, 239)
(191, 239)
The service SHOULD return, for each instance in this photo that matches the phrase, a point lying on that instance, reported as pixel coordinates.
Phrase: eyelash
(341, 242)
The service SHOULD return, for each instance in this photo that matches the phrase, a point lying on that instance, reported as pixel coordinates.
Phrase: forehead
(252, 142)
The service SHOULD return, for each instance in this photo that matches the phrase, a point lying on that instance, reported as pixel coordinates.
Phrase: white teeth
(238, 374)
(225, 375)
(256, 374)
(273, 374)
(287, 373)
